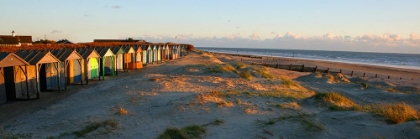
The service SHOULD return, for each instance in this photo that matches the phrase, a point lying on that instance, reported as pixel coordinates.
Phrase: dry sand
(191, 90)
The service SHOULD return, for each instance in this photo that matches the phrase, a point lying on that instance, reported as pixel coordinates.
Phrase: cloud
(56, 31)
(290, 35)
(414, 36)
(116, 7)
(273, 32)
(328, 36)
(328, 41)
(254, 36)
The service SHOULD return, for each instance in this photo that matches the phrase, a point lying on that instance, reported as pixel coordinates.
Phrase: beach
(229, 97)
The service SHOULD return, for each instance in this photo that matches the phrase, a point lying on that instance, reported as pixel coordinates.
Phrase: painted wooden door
(3, 97)
(109, 65)
(144, 57)
(119, 63)
(77, 71)
(93, 68)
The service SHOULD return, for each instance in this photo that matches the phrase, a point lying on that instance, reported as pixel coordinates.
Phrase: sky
(342, 25)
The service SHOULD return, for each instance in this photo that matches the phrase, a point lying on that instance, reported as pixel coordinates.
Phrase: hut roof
(66, 54)
(11, 59)
(37, 57)
(88, 53)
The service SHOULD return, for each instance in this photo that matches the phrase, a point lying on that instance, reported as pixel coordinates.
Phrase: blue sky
(381, 26)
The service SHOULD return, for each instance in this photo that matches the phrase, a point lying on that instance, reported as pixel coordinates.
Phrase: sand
(201, 88)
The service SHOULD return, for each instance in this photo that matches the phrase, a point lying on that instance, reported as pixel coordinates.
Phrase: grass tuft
(122, 111)
(396, 113)
(289, 83)
(289, 105)
(246, 75)
(191, 131)
(264, 73)
(94, 126)
(337, 101)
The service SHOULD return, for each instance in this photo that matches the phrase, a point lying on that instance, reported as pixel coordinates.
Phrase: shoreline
(402, 75)
(326, 60)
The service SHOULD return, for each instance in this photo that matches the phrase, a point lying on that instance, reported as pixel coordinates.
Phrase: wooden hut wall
(159, 53)
(75, 71)
(49, 77)
(3, 96)
(144, 55)
(22, 84)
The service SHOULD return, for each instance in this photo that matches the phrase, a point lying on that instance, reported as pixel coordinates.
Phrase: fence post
(328, 70)
(303, 68)
(389, 77)
(316, 68)
(290, 68)
(277, 65)
(340, 71)
(376, 75)
(364, 74)
(351, 73)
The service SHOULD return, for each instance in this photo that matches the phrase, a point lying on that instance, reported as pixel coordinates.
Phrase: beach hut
(159, 53)
(119, 56)
(145, 48)
(91, 60)
(47, 70)
(167, 52)
(107, 60)
(12, 85)
(137, 58)
(129, 57)
(163, 53)
(154, 53)
(73, 65)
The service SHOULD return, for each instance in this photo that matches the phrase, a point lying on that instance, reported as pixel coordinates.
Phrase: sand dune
(229, 99)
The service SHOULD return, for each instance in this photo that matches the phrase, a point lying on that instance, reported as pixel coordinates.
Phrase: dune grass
(396, 113)
(220, 68)
(94, 126)
(188, 132)
(263, 71)
(289, 105)
(289, 83)
(303, 118)
(246, 75)
(337, 101)
(290, 94)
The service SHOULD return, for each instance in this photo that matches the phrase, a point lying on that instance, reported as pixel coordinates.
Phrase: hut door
(120, 62)
(108, 65)
(93, 65)
(3, 97)
(77, 71)
(138, 57)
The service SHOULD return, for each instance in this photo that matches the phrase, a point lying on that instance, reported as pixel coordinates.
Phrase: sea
(407, 61)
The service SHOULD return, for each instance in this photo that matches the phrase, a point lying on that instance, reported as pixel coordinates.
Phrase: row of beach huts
(26, 73)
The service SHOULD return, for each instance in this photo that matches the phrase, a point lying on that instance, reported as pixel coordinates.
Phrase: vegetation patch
(188, 132)
(289, 105)
(246, 75)
(289, 83)
(216, 97)
(337, 101)
(303, 118)
(290, 94)
(364, 85)
(392, 90)
(107, 124)
(396, 113)
(263, 71)
(220, 68)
